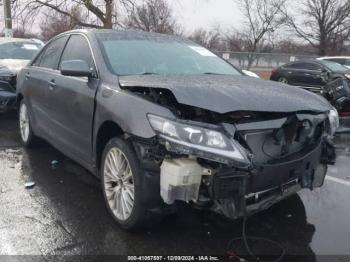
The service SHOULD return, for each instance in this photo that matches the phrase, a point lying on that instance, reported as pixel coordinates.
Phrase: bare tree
(56, 23)
(23, 33)
(209, 39)
(263, 17)
(22, 22)
(292, 46)
(95, 13)
(323, 23)
(153, 16)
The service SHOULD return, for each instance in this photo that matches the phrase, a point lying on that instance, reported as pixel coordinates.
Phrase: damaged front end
(215, 160)
(7, 89)
(7, 97)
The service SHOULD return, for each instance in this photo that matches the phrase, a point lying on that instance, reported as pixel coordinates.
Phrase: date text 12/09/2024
(173, 258)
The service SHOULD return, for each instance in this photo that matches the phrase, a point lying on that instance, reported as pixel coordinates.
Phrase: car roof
(4, 40)
(331, 57)
(316, 61)
(306, 61)
(114, 31)
(125, 34)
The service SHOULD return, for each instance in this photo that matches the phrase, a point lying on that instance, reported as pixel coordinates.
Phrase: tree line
(320, 27)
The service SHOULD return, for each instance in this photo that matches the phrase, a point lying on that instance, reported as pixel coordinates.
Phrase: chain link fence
(260, 61)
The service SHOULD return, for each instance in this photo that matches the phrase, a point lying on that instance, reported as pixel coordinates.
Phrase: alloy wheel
(119, 184)
(283, 80)
(24, 122)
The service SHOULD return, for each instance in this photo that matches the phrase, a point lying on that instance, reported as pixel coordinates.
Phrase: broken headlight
(191, 139)
(333, 118)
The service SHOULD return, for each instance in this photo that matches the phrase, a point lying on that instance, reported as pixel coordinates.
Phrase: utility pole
(8, 18)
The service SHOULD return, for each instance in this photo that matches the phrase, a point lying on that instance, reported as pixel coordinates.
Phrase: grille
(291, 138)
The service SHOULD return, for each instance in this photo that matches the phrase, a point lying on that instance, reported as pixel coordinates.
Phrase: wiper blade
(212, 73)
(148, 73)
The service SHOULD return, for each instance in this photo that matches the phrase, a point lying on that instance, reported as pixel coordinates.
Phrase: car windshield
(335, 67)
(162, 57)
(18, 50)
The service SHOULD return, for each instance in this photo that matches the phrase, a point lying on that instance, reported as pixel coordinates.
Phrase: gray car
(15, 53)
(163, 121)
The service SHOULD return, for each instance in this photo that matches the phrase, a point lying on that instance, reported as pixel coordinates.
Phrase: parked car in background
(343, 60)
(309, 74)
(15, 53)
(162, 121)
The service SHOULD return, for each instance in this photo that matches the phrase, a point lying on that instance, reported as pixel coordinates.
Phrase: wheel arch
(107, 130)
(19, 98)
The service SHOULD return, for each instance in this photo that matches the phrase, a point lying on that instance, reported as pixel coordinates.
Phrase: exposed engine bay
(285, 152)
(166, 98)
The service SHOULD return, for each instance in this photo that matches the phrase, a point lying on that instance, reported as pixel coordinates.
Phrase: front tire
(121, 178)
(26, 132)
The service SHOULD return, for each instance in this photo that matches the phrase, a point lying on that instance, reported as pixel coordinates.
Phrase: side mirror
(76, 68)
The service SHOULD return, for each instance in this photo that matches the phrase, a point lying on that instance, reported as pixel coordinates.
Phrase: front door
(72, 103)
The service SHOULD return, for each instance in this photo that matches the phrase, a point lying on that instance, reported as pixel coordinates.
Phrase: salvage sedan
(311, 75)
(163, 121)
(15, 53)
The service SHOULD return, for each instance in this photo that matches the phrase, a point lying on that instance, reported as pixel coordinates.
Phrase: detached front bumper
(174, 176)
(267, 184)
(7, 101)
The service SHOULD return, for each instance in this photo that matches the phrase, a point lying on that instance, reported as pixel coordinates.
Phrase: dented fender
(128, 111)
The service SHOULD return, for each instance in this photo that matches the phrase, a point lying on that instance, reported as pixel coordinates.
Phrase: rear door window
(38, 59)
(312, 66)
(295, 66)
(52, 53)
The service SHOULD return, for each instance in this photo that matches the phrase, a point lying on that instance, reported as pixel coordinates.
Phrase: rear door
(37, 82)
(313, 75)
(72, 101)
(294, 73)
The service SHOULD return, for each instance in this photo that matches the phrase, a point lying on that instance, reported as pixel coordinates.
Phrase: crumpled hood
(224, 94)
(12, 65)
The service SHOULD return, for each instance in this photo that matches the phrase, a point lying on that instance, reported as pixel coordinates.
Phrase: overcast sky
(194, 14)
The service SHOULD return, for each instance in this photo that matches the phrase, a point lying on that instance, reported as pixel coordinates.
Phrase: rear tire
(28, 138)
(283, 80)
(122, 184)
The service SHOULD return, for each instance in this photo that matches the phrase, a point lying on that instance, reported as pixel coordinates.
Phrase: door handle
(52, 85)
(27, 76)
(307, 74)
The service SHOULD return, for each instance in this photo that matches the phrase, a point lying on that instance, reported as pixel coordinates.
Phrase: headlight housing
(204, 142)
(333, 118)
